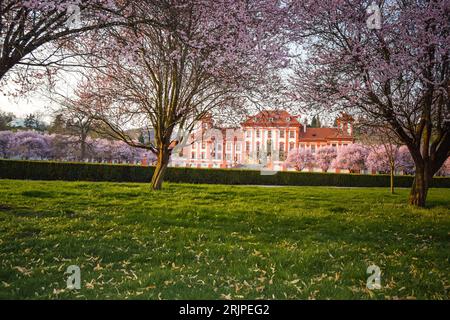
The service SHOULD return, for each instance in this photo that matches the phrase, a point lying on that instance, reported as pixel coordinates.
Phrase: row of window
(258, 147)
(248, 133)
(281, 146)
(218, 156)
(219, 146)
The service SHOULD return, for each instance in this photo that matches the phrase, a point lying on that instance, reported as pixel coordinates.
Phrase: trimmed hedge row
(47, 170)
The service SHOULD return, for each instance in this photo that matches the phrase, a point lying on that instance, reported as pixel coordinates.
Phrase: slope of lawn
(220, 242)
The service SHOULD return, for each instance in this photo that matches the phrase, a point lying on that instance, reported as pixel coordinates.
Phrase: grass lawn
(220, 242)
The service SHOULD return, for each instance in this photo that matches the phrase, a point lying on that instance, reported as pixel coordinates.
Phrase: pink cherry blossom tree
(324, 157)
(352, 157)
(383, 149)
(35, 33)
(300, 158)
(394, 72)
(405, 160)
(31, 145)
(378, 160)
(64, 147)
(209, 55)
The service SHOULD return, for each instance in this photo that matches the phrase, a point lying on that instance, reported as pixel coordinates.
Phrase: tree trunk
(419, 190)
(83, 151)
(161, 166)
(392, 179)
(83, 147)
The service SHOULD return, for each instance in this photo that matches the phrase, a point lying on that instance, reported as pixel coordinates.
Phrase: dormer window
(271, 119)
(288, 119)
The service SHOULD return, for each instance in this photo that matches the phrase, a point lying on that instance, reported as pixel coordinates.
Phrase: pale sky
(22, 107)
(37, 102)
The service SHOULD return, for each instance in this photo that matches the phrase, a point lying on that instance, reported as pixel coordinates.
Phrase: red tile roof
(272, 118)
(323, 134)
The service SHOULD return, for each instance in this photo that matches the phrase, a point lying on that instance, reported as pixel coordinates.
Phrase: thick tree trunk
(83, 150)
(419, 190)
(161, 166)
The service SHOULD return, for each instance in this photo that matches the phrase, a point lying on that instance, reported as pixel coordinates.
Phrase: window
(203, 145)
(258, 134)
(269, 147)
(291, 146)
(302, 146)
(193, 155)
(219, 147)
(269, 134)
(228, 146)
(193, 146)
(334, 145)
(281, 133)
(248, 134)
(282, 158)
(291, 134)
(238, 147)
(313, 148)
(257, 149)
(247, 146)
(219, 156)
(228, 157)
(271, 119)
(203, 155)
(288, 119)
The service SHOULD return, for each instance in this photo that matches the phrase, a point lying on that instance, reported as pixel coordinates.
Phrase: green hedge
(47, 170)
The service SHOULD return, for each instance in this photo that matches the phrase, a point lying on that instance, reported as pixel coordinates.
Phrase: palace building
(265, 138)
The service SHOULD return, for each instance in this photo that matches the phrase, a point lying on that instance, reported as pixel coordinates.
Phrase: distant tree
(300, 159)
(5, 119)
(6, 143)
(33, 122)
(31, 145)
(324, 157)
(64, 147)
(58, 124)
(30, 121)
(384, 149)
(71, 121)
(352, 157)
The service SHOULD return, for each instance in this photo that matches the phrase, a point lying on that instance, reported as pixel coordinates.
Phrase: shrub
(47, 170)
